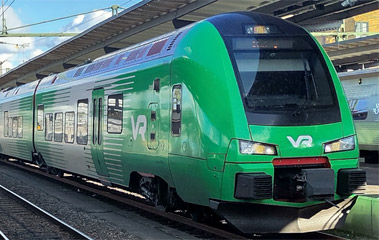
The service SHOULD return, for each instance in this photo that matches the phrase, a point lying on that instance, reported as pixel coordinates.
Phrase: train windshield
(284, 81)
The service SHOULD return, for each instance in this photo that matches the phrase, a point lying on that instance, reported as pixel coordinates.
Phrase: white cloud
(83, 22)
(36, 52)
(13, 50)
(19, 50)
(12, 19)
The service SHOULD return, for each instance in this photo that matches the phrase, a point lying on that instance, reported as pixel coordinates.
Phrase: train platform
(363, 218)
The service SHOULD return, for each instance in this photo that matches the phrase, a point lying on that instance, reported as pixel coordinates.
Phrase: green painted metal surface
(363, 218)
(202, 161)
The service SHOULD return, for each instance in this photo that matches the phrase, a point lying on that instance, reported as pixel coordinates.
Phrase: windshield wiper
(301, 108)
(307, 77)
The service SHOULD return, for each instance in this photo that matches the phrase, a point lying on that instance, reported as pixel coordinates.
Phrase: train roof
(237, 23)
(162, 46)
(27, 88)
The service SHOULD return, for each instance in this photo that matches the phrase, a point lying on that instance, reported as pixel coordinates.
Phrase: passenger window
(58, 127)
(6, 124)
(69, 127)
(19, 128)
(114, 124)
(49, 126)
(176, 114)
(14, 127)
(82, 132)
(40, 118)
(10, 127)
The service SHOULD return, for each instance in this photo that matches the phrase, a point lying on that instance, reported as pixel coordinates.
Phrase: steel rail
(3, 236)
(133, 203)
(78, 234)
(219, 233)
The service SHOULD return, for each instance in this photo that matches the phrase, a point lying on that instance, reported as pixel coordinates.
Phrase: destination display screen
(267, 43)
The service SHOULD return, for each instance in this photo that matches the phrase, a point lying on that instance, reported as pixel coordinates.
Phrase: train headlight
(343, 144)
(248, 147)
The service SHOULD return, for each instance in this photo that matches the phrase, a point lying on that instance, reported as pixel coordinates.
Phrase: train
(239, 116)
(362, 91)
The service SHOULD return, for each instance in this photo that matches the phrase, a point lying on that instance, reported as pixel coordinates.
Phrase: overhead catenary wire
(7, 8)
(56, 19)
(41, 39)
(72, 27)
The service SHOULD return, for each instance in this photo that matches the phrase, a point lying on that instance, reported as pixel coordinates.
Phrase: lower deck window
(19, 128)
(14, 127)
(6, 119)
(69, 127)
(49, 127)
(58, 127)
(10, 127)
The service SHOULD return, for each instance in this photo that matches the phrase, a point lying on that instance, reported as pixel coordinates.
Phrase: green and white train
(362, 92)
(241, 114)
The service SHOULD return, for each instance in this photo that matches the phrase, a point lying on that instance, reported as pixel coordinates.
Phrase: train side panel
(16, 121)
(114, 153)
(142, 145)
(212, 114)
(362, 90)
(56, 136)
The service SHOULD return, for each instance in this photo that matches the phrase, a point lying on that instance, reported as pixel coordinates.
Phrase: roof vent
(173, 41)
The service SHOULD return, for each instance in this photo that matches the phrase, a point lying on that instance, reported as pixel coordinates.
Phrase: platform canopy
(151, 18)
(352, 53)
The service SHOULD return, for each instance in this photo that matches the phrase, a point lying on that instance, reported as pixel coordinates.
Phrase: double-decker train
(241, 115)
(362, 92)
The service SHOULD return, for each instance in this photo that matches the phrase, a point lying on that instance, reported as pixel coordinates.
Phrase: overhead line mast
(4, 32)
(4, 26)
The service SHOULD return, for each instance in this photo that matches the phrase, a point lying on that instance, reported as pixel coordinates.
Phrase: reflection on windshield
(275, 79)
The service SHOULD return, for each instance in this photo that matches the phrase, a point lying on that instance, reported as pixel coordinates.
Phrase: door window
(176, 114)
(115, 113)
(82, 133)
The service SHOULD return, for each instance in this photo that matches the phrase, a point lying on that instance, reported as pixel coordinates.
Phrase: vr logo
(304, 140)
(137, 129)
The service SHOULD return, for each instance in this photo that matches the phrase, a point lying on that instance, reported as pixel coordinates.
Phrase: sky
(24, 12)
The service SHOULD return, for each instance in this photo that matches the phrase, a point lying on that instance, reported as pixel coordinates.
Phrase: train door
(153, 127)
(97, 120)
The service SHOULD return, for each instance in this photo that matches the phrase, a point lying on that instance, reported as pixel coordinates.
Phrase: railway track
(21, 219)
(206, 231)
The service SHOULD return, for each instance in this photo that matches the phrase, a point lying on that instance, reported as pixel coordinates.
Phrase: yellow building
(367, 22)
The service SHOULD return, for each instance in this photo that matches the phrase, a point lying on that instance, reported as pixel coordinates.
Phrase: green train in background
(362, 91)
(241, 115)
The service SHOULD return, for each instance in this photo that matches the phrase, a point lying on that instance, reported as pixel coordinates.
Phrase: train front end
(299, 168)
